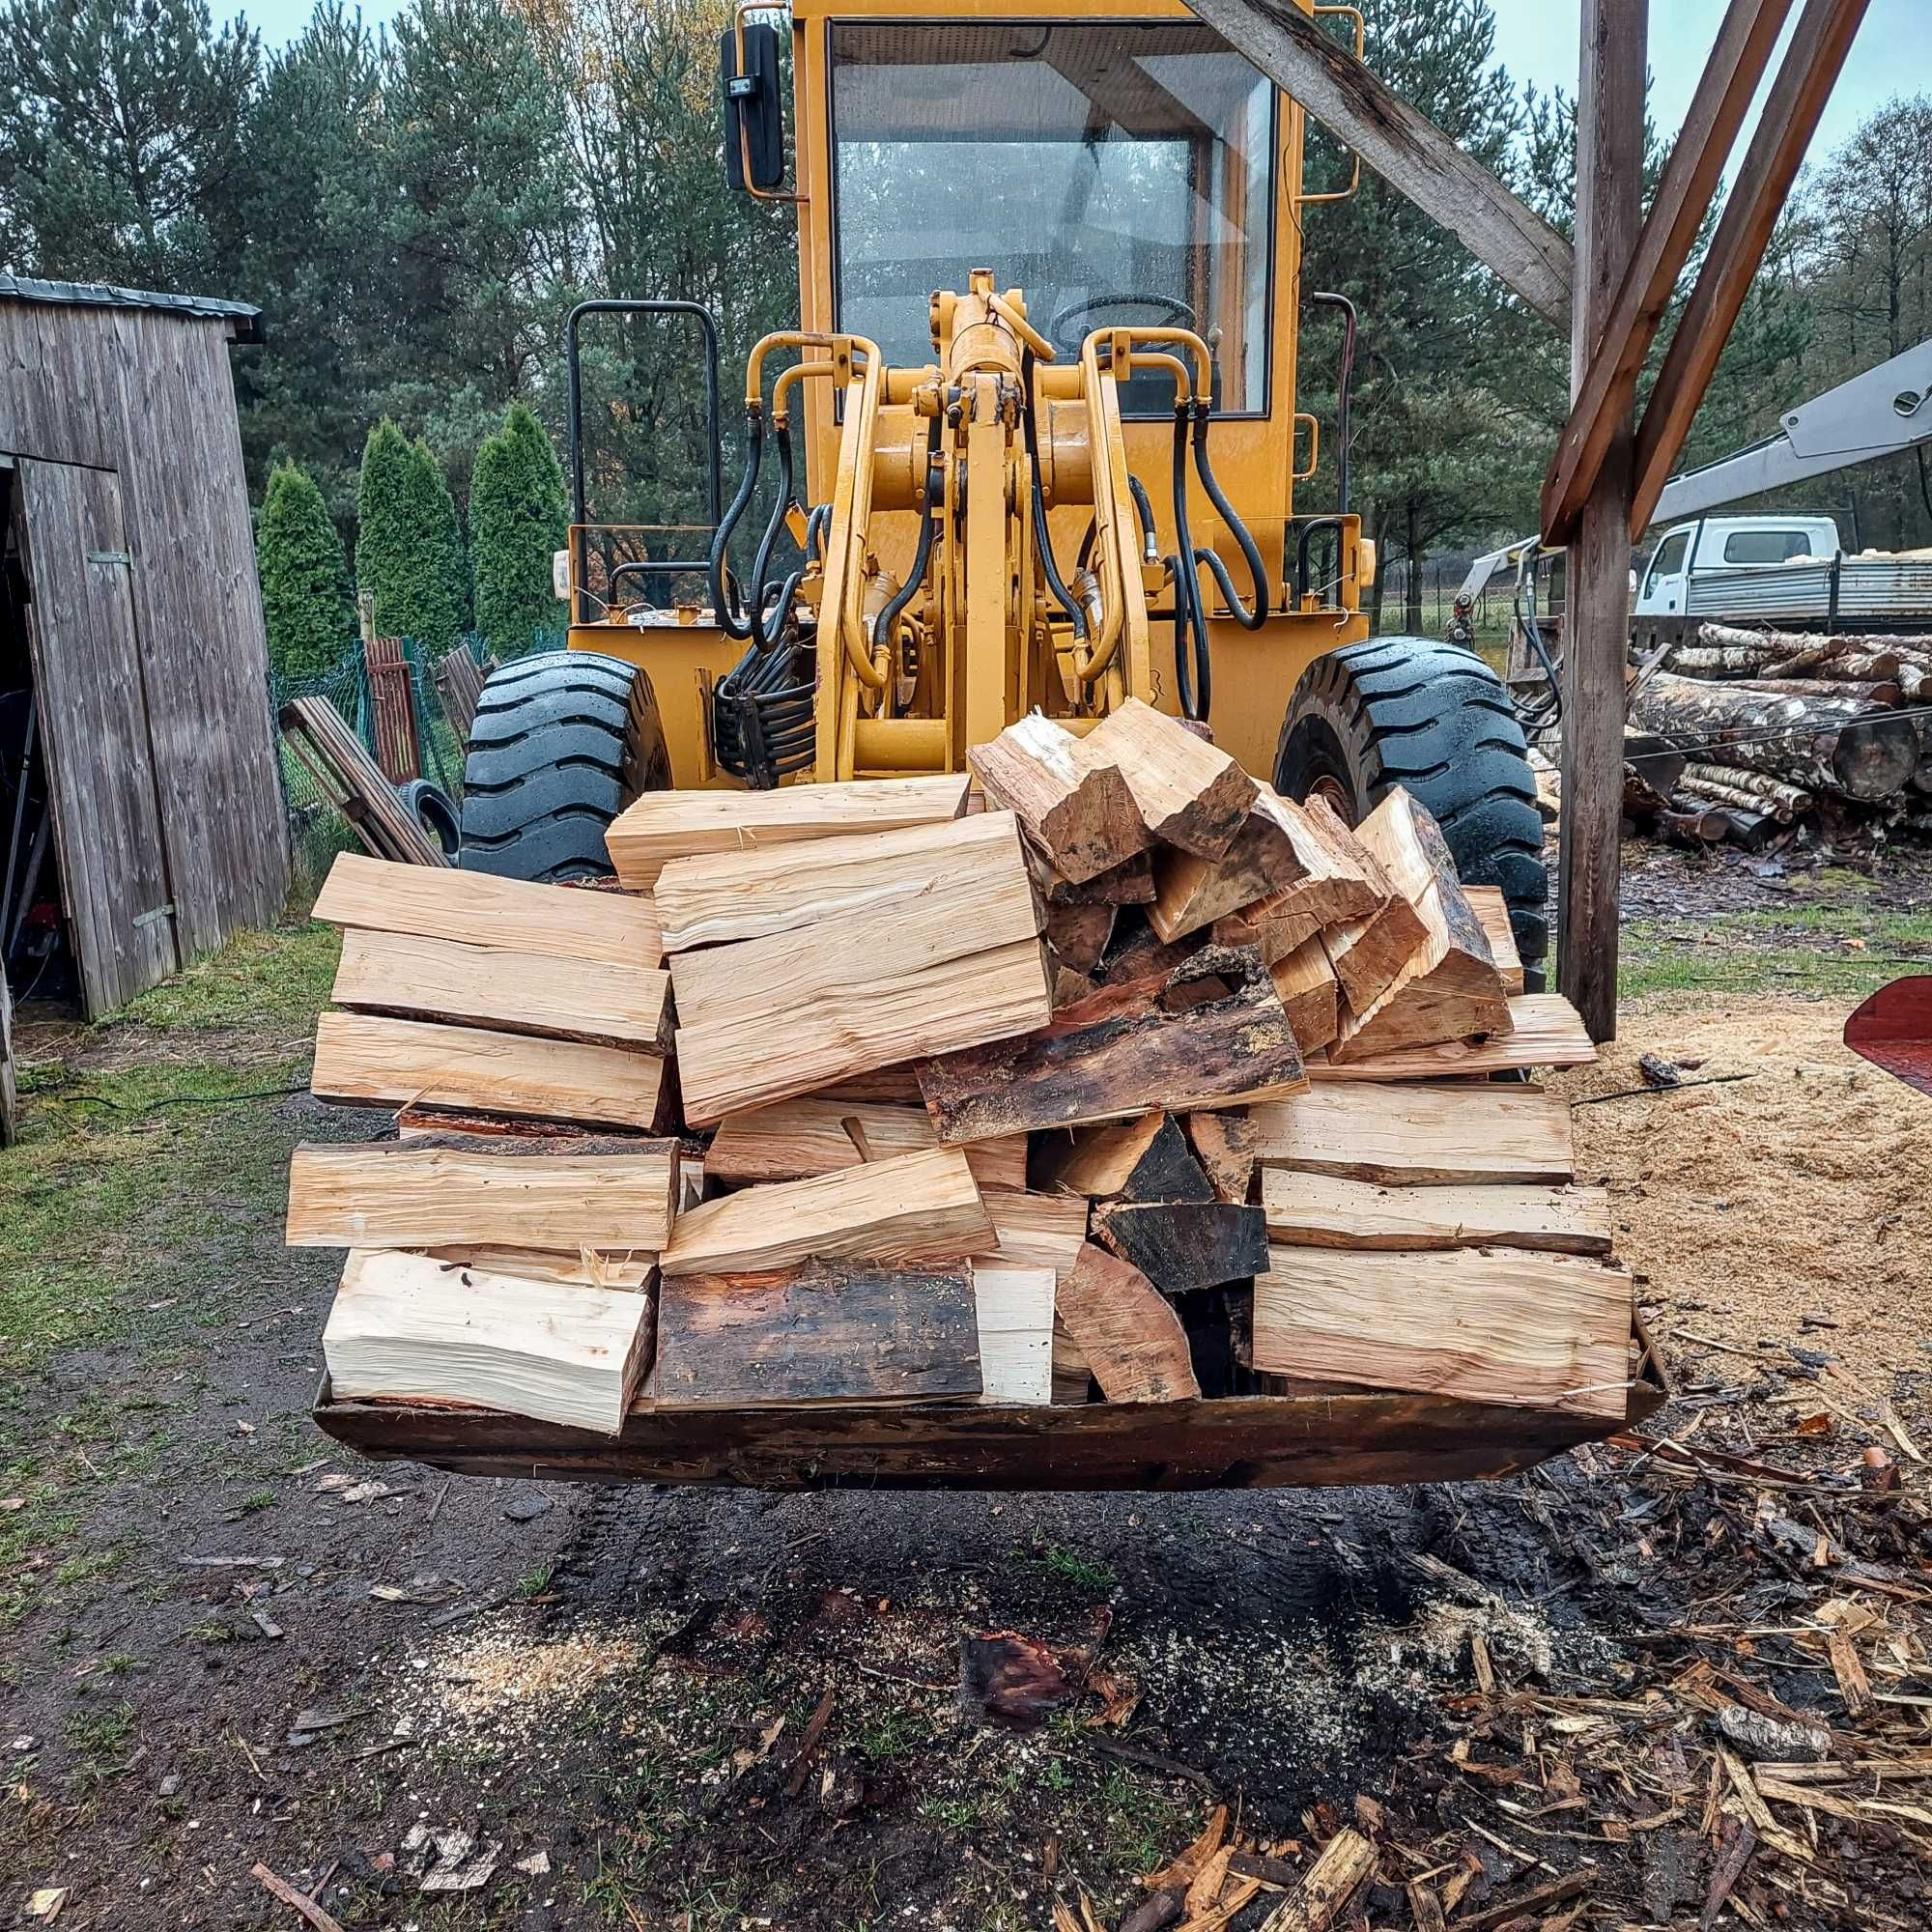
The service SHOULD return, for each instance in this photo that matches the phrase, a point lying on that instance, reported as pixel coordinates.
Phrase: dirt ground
(435, 1702)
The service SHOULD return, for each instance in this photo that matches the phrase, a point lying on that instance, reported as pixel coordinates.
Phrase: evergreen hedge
(304, 574)
(519, 517)
(409, 551)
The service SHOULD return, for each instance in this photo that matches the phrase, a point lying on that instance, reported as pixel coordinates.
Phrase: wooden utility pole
(1596, 624)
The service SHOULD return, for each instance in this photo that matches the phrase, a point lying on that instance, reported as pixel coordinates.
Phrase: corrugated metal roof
(246, 318)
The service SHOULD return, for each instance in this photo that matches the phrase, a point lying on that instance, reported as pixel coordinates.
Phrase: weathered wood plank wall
(149, 395)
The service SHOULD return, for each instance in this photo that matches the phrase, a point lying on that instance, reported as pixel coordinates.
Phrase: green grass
(1844, 951)
(1094, 1578)
(270, 981)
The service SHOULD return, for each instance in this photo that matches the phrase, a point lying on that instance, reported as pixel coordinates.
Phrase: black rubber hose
(1249, 620)
(1193, 683)
(754, 608)
(1042, 535)
(728, 619)
(815, 529)
(1144, 507)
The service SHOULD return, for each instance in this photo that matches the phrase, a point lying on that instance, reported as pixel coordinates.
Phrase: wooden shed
(141, 813)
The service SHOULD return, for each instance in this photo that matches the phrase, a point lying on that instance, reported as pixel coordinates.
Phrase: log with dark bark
(1214, 1030)
(1181, 1247)
(1822, 744)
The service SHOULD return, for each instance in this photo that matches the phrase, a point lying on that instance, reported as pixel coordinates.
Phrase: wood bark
(824, 1332)
(1143, 1159)
(1822, 744)
(1181, 1247)
(1125, 1049)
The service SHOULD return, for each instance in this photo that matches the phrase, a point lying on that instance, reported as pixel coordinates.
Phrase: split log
(1445, 1135)
(1449, 988)
(660, 826)
(1336, 881)
(1070, 987)
(363, 1058)
(1036, 1231)
(1124, 1050)
(1078, 934)
(794, 1140)
(975, 866)
(1491, 909)
(1141, 1159)
(1322, 1210)
(407, 1326)
(1225, 1143)
(542, 993)
(1130, 883)
(1369, 953)
(1310, 993)
(1296, 868)
(1014, 1311)
(1190, 793)
(1545, 1031)
(478, 909)
(1755, 791)
(825, 1332)
(460, 1190)
(1184, 1245)
(1071, 798)
(917, 1207)
(1132, 1339)
(1542, 1332)
(1139, 953)
(1823, 744)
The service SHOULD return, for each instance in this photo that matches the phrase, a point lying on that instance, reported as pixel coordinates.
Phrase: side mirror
(753, 119)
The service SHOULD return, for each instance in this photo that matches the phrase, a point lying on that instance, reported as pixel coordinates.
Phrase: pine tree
(304, 577)
(409, 551)
(518, 518)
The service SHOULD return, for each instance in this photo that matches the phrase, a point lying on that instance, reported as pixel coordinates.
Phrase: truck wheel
(561, 744)
(1435, 718)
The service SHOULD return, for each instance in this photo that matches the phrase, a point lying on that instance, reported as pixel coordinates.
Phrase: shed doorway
(91, 906)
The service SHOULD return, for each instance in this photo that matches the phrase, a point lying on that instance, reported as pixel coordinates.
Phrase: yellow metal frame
(989, 656)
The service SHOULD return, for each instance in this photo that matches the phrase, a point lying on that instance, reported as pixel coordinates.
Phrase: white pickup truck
(1786, 571)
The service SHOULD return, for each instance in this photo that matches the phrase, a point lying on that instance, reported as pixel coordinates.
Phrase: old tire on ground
(435, 811)
(1435, 718)
(562, 742)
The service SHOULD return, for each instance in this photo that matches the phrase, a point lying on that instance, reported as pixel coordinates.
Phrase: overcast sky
(1537, 41)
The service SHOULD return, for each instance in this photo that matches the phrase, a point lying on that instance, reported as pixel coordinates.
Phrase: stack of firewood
(1105, 1067)
(1774, 730)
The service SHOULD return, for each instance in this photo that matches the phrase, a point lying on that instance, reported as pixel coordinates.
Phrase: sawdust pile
(1806, 1189)
(509, 1671)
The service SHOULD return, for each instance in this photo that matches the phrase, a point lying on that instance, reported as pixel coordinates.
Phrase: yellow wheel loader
(1034, 445)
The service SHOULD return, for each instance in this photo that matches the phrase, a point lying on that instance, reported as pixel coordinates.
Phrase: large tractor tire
(561, 744)
(1435, 718)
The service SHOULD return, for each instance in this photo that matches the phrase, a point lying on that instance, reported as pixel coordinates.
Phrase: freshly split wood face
(1191, 794)
(920, 1207)
(410, 1327)
(1453, 1134)
(661, 826)
(561, 1195)
(793, 1140)
(1533, 1330)
(801, 968)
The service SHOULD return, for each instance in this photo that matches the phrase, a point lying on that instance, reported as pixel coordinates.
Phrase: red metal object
(1893, 1030)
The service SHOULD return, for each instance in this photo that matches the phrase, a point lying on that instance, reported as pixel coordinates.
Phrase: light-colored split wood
(1014, 1312)
(1545, 1031)
(1131, 1338)
(793, 1140)
(1325, 1211)
(661, 826)
(1072, 799)
(1448, 1134)
(1191, 794)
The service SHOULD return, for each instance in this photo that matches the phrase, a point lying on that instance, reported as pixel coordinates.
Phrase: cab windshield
(1116, 172)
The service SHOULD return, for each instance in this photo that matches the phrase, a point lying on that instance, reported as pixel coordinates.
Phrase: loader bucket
(1893, 1030)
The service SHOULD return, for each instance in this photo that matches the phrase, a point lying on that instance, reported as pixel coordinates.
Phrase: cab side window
(1669, 559)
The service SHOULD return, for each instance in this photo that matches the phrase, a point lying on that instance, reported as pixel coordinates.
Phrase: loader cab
(1129, 168)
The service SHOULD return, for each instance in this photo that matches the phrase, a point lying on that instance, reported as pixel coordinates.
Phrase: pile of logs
(1104, 1074)
(1777, 729)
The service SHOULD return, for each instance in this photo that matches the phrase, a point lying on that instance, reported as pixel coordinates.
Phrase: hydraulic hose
(761, 569)
(1042, 535)
(728, 619)
(1248, 619)
(1193, 683)
(882, 625)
